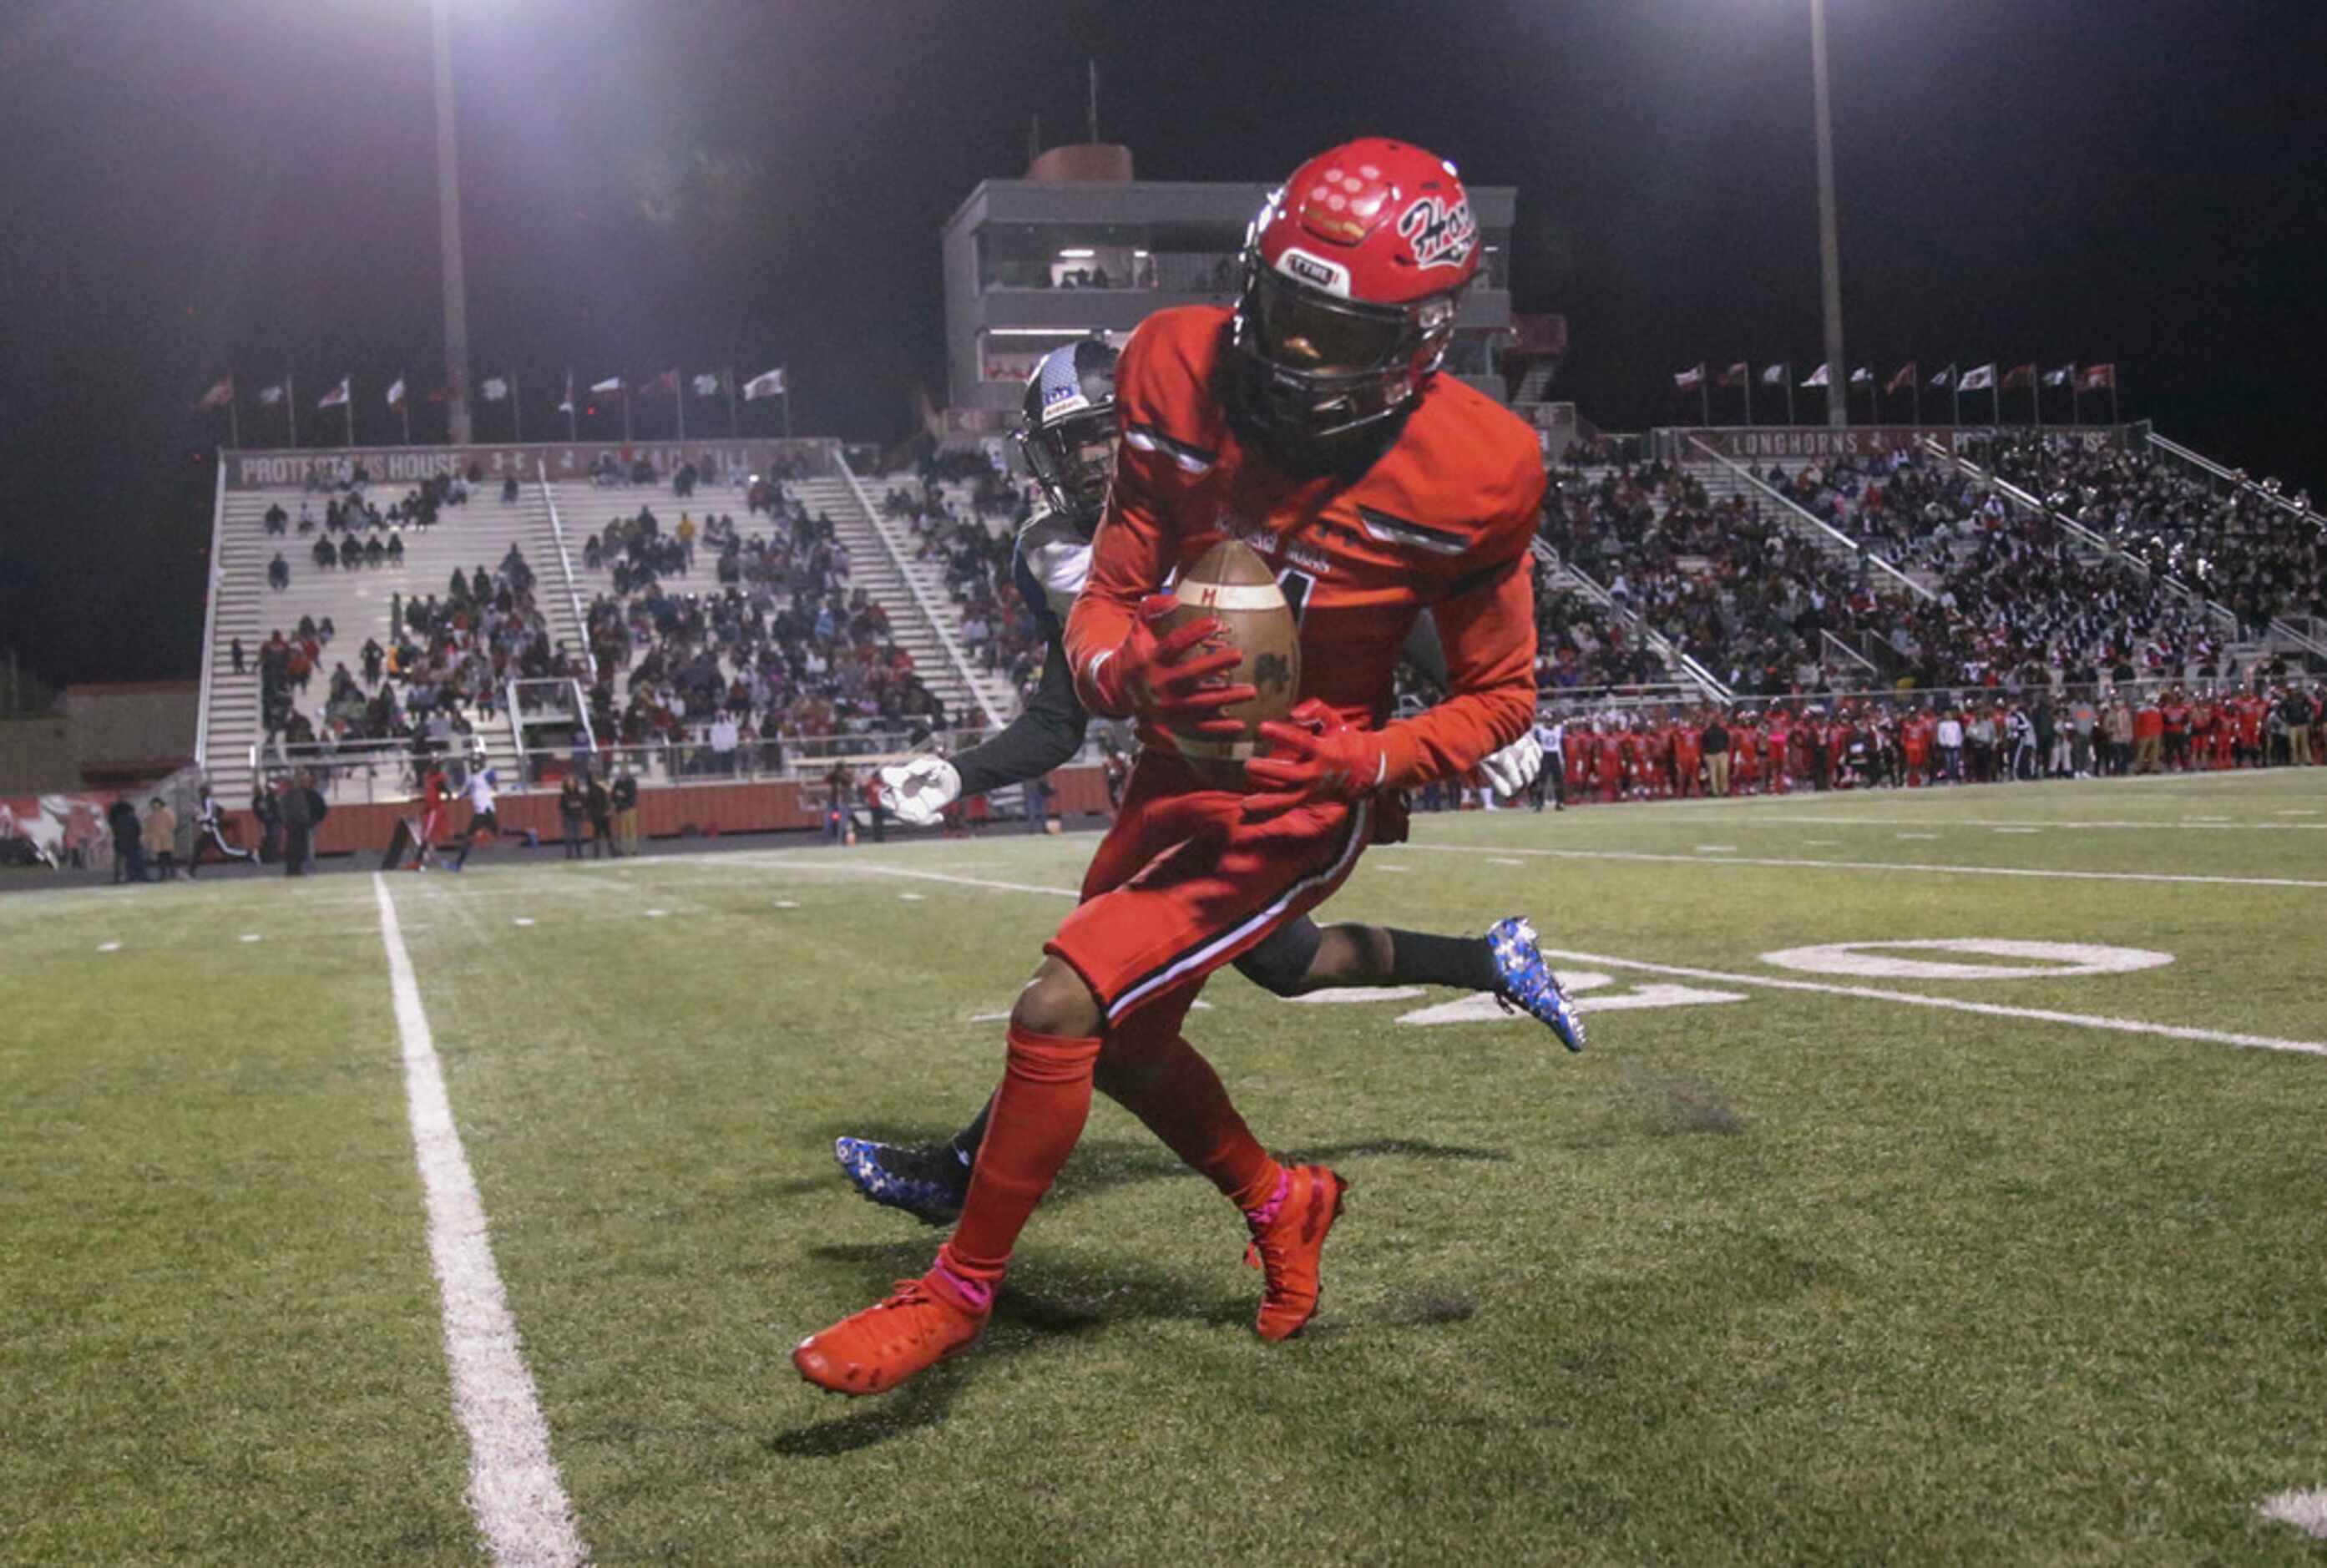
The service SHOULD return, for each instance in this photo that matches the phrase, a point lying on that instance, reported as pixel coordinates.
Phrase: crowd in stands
(2244, 544)
(1728, 581)
(1746, 591)
(783, 650)
(447, 660)
(975, 543)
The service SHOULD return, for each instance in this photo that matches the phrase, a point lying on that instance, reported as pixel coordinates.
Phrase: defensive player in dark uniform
(1068, 439)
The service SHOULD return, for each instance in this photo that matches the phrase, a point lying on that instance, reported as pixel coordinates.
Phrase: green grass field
(1793, 1265)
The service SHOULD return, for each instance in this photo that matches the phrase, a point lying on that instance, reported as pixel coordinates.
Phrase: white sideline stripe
(108, 946)
(519, 1504)
(1950, 1004)
(2306, 1511)
(967, 881)
(2137, 876)
(2217, 824)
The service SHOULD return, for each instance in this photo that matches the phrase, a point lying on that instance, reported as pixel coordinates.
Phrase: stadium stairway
(357, 600)
(883, 550)
(1724, 478)
(585, 509)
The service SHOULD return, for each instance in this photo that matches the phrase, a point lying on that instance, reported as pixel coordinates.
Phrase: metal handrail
(2200, 459)
(1854, 546)
(209, 619)
(566, 566)
(920, 598)
(2222, 615)
(1668, 650)
(1829, 640)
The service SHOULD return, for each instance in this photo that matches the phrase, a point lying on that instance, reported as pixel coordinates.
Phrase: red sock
(1038, 1113)
(1184, 1102)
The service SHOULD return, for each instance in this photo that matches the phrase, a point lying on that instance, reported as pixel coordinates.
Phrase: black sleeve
(1046, 734)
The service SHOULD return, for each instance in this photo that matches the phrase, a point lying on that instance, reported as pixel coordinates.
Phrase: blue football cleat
(927, 1183)
(1529, 985)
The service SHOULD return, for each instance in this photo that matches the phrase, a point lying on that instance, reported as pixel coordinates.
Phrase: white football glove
(1514, 767)
(918, 791)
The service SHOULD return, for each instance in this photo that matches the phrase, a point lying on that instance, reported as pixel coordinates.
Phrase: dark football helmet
(1069, 436)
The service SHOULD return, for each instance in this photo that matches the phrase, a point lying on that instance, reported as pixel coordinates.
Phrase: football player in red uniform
(1309, 422)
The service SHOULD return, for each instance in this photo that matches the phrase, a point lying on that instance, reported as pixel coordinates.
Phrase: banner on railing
(492, 463)
(1756, 443)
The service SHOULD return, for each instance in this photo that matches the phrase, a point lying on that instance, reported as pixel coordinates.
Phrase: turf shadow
(1104, 1164)
(1045, 1304)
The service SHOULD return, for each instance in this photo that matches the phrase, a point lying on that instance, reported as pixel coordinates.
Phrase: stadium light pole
(448, 229)
(1838, 407)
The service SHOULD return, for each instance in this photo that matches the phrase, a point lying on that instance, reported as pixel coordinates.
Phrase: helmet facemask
(1318, 366)
(1073, 461)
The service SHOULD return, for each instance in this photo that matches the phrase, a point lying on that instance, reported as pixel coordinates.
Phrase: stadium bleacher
(360, 602)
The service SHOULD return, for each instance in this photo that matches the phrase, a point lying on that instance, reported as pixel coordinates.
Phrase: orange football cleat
(920, 1324)
(1286, 1248)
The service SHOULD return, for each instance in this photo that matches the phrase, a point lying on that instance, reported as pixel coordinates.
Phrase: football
(1231, 583)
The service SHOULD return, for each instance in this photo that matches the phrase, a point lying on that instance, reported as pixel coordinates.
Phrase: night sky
(249, 185)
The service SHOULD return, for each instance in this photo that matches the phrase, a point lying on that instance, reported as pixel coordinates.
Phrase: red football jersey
(1443, 520)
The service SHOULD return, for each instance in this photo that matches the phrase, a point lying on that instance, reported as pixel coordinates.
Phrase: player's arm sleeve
(1488, 629)
(1046, 734)
(1135, 547)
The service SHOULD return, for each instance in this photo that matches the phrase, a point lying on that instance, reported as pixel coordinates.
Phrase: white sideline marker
(108, 946)
(1400, 870)
(2306, 1511)
(1716, 849)
(912, 897)
(657, 914)
(250, 936)
(514, 1491)
(1918, 835)
(1506, 861)
(785, 904)
(522, 920)
(1646, 857)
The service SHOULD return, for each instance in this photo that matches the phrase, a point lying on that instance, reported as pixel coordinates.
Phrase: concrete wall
(106, 733)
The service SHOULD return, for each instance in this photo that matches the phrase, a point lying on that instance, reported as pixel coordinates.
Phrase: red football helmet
(1352, 274)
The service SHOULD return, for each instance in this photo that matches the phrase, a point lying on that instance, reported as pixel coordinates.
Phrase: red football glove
(1316, 756)
(1167, 680)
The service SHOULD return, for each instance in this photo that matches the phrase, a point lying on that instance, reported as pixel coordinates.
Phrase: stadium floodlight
(1837, 408)
(448, 229)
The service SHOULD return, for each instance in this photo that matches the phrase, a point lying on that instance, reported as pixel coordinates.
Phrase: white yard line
(2306, 1511)
(1950, 1004)
(514, 1491)
(1866, 993)
(1642, 855)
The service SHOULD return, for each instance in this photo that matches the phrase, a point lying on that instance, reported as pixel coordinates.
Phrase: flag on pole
(1734, 375)
(396, 392)
(1901, 381)
(2098, 378)
(2062, 376)
(337, 397)
(769, 384)
(663, 385)
(1944, 377)
(1978, 379)
(2020, 376)
(1821, 377)
(220, 393)
(1775, 376)
(496, 390)
(1862, 375)
(567, 407)
(710, 384)
(1690, 379)
(268, 397)
(611, 384)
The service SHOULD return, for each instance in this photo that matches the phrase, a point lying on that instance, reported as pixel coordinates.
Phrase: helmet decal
(1441, 235)
(1315, 271)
